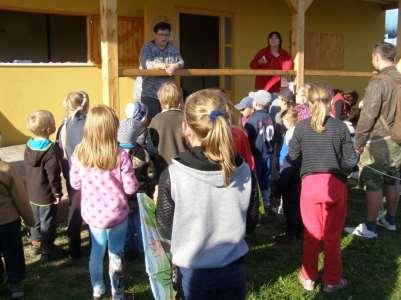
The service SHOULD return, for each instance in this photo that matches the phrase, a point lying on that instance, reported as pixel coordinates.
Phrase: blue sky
(391, 19)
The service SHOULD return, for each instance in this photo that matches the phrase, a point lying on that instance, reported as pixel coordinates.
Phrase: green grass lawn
(372, 267)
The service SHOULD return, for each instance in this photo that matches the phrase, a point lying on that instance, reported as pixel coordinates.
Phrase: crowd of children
(195, 146)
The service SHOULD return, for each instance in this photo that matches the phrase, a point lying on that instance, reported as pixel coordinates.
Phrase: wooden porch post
(109, 53)
(399, 31)
(298, 9)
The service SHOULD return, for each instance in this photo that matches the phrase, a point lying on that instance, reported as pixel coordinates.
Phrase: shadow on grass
(67, 279)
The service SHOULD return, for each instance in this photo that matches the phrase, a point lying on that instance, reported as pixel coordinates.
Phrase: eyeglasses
(163, 34)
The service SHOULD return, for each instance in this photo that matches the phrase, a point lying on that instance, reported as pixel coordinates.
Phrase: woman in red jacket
(271, 57)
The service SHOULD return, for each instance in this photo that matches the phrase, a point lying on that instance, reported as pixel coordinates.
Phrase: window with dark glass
(47, 38)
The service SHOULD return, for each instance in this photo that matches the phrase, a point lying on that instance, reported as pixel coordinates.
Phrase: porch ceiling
(387, 4)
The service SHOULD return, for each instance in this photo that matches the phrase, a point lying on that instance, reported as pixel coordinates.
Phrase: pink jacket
(103, 193)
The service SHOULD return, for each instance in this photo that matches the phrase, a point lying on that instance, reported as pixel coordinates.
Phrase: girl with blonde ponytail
(207, 201)
(326, 150)
(319, 99)
(69, 135)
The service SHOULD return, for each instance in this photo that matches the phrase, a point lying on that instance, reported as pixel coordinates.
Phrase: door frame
(222, 44)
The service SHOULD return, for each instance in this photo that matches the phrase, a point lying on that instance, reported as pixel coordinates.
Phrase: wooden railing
(128, 72)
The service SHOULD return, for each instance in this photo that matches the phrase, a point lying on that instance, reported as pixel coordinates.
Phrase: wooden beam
(308, 4)
(129, 72)
(399, 31)
(298, 29)
(337, 73)
(109, 53)
(293, 5)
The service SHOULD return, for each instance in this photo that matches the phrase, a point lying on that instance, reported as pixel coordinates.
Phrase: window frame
(88, 62)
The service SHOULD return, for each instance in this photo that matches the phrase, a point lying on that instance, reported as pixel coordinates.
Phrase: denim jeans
(214, 284)
(44, 229)
(153, 106)
(113, 239)
(133, 242)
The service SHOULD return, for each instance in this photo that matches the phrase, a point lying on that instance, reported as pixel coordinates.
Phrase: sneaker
(307, 284)
(381, 221)
(98, 296)
(331, 288)
(361, 231)
(36, 248)
(16, 290)
(53, 254)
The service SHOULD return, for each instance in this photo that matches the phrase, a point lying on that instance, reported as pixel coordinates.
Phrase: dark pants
(44, 229)
(153, 106)
(290, 188)
(214, 284)
(264, 175)
(133, 240)
(12, 250)
(74, 223)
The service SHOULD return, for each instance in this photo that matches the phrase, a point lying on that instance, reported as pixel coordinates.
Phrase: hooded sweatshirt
(42, 171)
(13, 197)
(193, 202)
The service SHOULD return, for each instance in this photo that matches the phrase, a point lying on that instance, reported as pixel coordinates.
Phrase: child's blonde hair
(302, 94)
(170, 95)
(76, 102)
(38, 122)
(319, 98)
(206, 114)
(99, 147)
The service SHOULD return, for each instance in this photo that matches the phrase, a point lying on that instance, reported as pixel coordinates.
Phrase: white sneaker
(361, 231)
(381, 220)
(307, 284)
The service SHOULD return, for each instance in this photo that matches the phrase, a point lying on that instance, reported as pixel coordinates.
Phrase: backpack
(395, 128)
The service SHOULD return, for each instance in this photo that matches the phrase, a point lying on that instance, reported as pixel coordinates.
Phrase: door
(200, 49)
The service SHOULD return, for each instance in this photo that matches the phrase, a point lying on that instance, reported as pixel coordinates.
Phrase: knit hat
(261, 97)
(244, 103)
(287, 95)
(137, 111)
(129, 130)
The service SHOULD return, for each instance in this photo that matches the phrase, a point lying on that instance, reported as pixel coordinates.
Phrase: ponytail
(319, 98)
(218, 147)
(206, 114)
(76, 102)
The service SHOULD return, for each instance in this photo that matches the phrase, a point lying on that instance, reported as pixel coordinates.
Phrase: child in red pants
(328, 156)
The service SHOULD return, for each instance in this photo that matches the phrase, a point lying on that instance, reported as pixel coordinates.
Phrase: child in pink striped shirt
(105, 175)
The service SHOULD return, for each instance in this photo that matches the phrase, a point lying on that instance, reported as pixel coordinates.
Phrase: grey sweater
(151, 55)
(205, 220)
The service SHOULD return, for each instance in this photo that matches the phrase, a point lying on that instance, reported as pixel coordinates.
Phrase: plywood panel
(324, 51)
(130, 40)
(331, 51)
(312, 50)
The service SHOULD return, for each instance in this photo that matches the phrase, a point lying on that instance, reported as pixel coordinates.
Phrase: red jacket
(282, 62)
(339, 106)
(242, 147)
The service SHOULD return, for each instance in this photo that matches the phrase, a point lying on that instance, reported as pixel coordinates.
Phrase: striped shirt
(330, 151)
